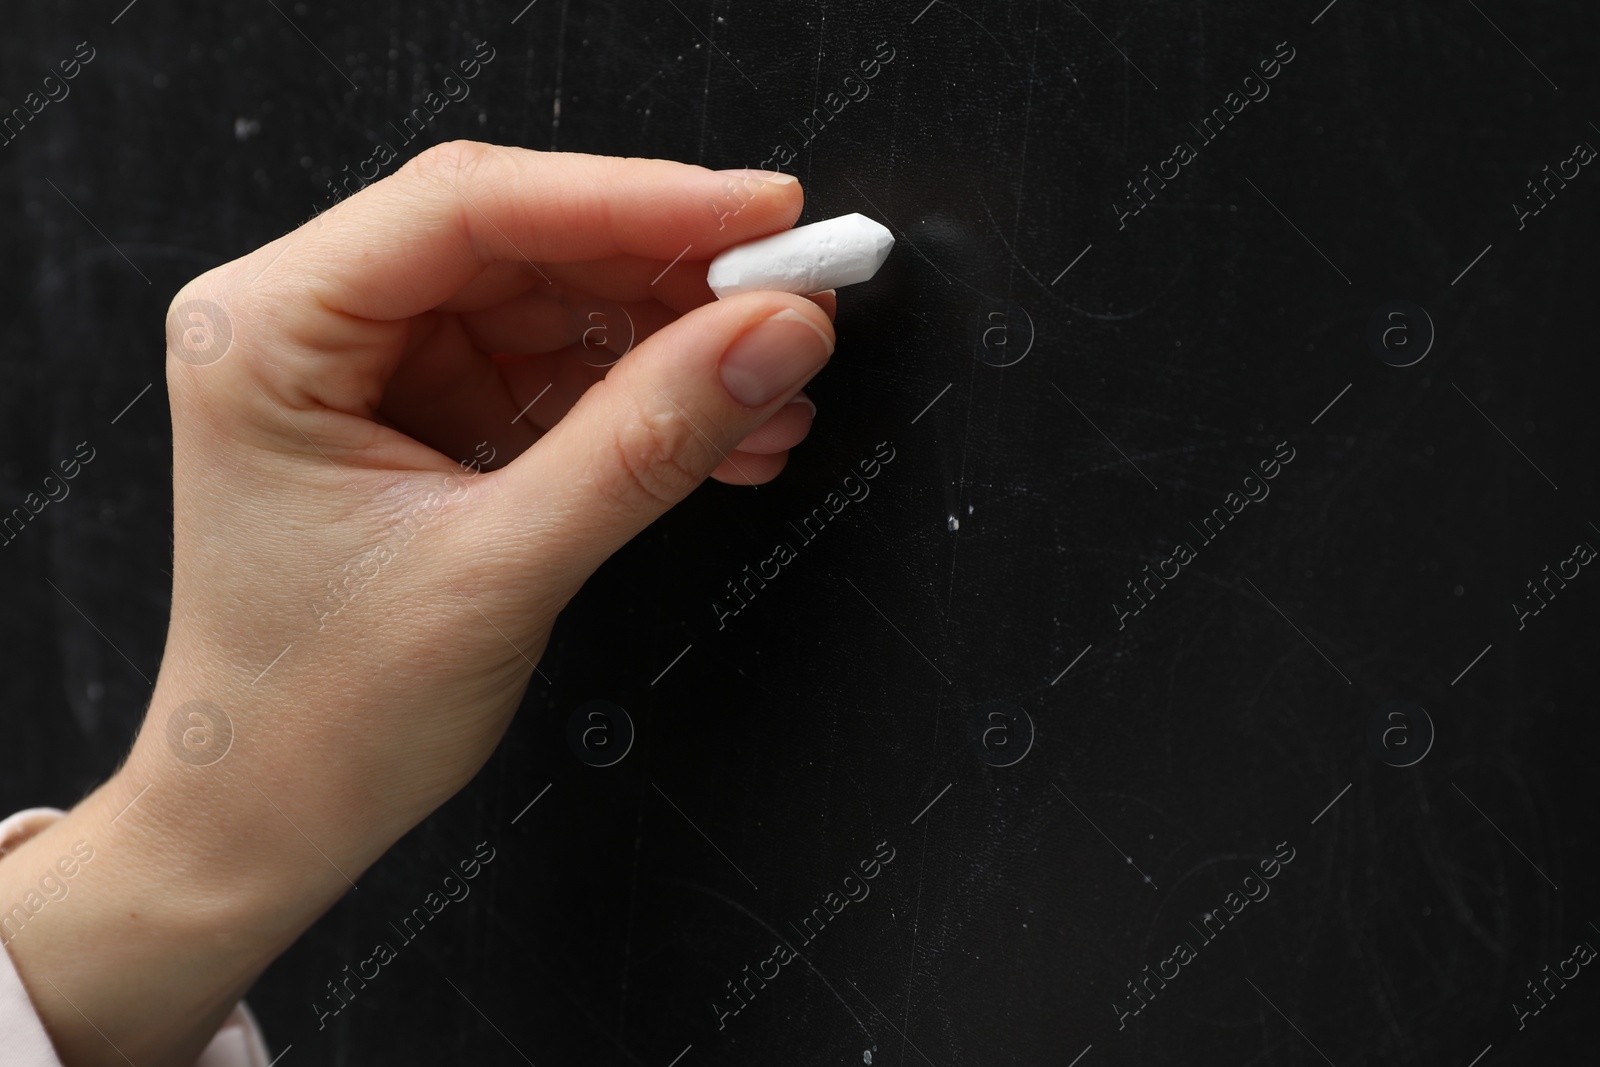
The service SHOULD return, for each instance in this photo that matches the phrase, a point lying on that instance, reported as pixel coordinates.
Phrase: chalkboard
(1206, 674)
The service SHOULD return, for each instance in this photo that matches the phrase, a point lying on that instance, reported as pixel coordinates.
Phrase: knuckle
(450, 164)
(657, 461)
(199, 323)
(200, 287)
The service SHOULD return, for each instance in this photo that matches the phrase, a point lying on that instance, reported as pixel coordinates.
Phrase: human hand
(374, 351)
(355, 612)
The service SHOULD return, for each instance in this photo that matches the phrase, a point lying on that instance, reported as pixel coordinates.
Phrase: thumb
(664, 417)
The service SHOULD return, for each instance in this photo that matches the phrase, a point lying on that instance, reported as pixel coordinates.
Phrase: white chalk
(804, 260)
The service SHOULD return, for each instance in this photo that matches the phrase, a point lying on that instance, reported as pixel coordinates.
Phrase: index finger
(407, 243)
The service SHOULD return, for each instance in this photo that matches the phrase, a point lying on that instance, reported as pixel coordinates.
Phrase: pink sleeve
(237, 1043)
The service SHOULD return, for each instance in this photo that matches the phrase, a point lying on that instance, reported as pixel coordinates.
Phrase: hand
(404, 465)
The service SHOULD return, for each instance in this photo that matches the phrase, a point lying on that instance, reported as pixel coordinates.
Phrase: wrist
(152, 904)
(133, 937)
(229, 843)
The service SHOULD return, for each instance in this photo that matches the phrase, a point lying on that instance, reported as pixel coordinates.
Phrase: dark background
(1175, 354)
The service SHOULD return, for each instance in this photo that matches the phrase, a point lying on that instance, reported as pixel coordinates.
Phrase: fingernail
(801, 398)
(774, 358)
(776, 177)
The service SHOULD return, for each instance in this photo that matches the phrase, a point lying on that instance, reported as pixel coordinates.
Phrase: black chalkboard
(1177, 677)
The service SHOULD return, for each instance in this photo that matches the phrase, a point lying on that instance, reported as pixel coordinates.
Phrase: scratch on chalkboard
(1022, 168)
(769, 928)
(561, 56)
(816, 78)
(969, 18)
(953, 499)
(916, 917)
(633, 913)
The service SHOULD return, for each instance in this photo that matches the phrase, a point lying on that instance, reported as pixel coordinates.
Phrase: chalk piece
(804, 260)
